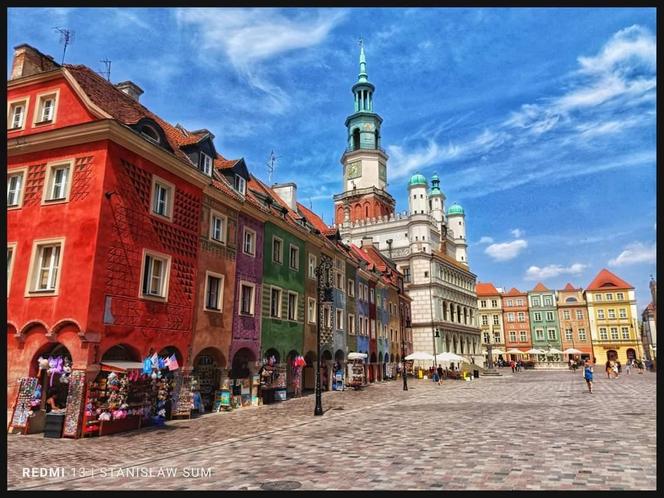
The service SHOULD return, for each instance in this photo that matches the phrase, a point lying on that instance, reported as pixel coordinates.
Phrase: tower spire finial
(363, 64)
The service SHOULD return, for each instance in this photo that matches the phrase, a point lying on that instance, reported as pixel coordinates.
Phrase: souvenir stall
(356, 377)
(272, 381)
(338, 378)
(43, 399)
(296, 366)
(208, 376)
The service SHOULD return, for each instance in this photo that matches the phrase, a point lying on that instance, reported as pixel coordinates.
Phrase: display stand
(75, 398)
(222, 400)
(21, 419)
(183, 397)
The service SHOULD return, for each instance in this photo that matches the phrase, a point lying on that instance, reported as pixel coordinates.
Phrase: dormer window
(240, 184)
(205, 163)
(150, 133)
(46, 107)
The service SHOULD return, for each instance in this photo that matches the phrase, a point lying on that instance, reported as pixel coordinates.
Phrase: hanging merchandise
(23, 407)
(74, 404)
(54, 367)
(66, 371)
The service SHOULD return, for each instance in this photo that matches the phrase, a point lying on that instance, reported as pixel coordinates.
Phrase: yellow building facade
(613, 319)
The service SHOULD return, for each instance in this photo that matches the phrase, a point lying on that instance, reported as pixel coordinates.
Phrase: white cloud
(634, 43)
(636, 253)
(550, 271)
(485, 240)
(250, 38)
(517, 232)
(505, 251)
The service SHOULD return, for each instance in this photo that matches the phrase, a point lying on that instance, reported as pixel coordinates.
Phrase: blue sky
(540, 122)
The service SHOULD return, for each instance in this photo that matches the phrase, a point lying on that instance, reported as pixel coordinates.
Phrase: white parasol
(357, 356)
(418, 355)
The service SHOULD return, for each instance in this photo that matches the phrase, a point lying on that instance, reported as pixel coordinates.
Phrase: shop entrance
(208, 366)
(372, 368)
(631, 355)
(611, 355)
(309, 373)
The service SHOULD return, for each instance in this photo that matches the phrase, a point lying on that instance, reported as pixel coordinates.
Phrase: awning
(120, 366)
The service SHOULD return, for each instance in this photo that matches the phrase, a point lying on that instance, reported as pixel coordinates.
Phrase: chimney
(28, 61)
(131, 89)
(366, 241)
(288, 193)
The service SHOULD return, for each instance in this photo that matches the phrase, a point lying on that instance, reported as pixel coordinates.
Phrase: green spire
(363, 77)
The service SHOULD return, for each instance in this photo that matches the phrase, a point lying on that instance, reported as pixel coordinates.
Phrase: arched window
(366, 211)
(356, 138)
(150, 133)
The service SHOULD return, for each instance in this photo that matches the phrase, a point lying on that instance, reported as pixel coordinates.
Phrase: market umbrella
(497, 351)
(554, 351)
(535, 351)
(357, 356)
(515, 351)
(572, 351)
(441, 357)
(419, 356)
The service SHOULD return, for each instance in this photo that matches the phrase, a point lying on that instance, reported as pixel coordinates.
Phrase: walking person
(628, 367)
(439, 370)
(614, 366)
(588, 375)
(513, 366)
(609, 369)
(619, 365)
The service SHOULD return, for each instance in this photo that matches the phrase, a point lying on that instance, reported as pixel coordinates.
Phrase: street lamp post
(324, 296)
(489, 349)
(404, 372)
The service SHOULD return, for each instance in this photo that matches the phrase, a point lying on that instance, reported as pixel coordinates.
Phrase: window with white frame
(292, 306)
(603, 334)
(46, 108)
(275, 302)
(240, 184)
(548, 301)
(496, 337)
(277, 250)
(294, 257)
(582, 334)
(218, 225)
(485, 320)
(537, 316)
(371, 295)
(512, 335)
(569, 334)
(339, 280)
(10, 260)
(609, 297)
(552, 334)
(620, 296)
(205, 163)
(579, 314)
(523, 337)
(622, 313)
(614, 333)
(162, 197)
(549, 316)
(566, 315)
(214, 291)
(485, 336)
(311, 310)
(17, 112)
(519, 302)
(155, 274)
(600, 314)
(496, 320)
(483, 303)
(510, 317)
(536, 301)
(249, 242)
(539, 333)
(46, 267)
(625, 333)
(351, 288)
(339, 319)
(327, 317)
(15, 188)
(494, 303)
(598, 297)
(351, 324)
(247, 298)
(510, 302)
(373, 328)
(58, 182)
(312, 266)
(521, 316)
(612, 314)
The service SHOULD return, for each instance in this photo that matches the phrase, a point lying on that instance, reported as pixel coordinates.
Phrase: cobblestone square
(531, 430)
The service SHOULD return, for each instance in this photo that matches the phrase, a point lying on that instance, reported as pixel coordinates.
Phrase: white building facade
(427, 243)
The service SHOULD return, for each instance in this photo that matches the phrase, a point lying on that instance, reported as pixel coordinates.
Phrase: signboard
(182, 396)
(74, 403)
(222, 399)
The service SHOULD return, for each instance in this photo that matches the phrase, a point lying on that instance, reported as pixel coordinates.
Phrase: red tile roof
(515, 292)
(486, 289)
(605, 279)
(540, 287)
(570, 287)
(221, 163)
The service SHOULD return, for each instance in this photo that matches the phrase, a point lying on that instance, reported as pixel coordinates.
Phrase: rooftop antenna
(270, 167)
(66, 38)
(106, 73)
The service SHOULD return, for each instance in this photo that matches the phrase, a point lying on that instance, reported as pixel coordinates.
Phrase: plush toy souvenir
(43, 363)
(54, 367)
(105, 416)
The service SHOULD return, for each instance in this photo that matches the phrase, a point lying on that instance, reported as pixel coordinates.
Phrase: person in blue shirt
(588, 375)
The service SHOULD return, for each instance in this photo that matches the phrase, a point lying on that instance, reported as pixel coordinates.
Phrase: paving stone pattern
(531, 430)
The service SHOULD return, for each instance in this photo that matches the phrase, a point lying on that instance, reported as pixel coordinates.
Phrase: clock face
(354, 170)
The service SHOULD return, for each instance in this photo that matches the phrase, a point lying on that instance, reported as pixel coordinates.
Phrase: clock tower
(364, 162)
